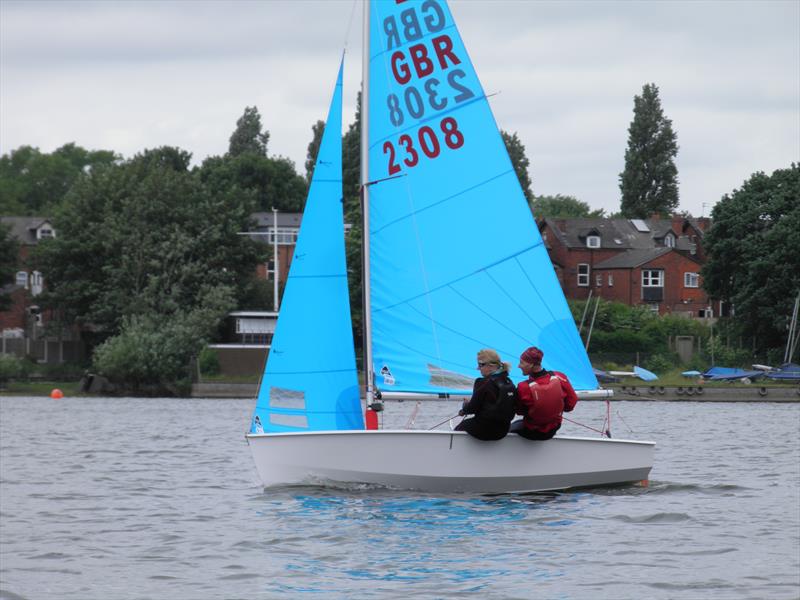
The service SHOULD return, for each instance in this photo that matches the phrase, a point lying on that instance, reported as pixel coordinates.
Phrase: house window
(652, 278)
(270, 271)
(22, 279)
(36, 283)
(598, 280)
(669, 241)
(583, 275)
(691, 280)
(35, 314)
(44, 233)
(286, 236)
(610, 280)
(593, 241)
(706, 313)
(652, 285)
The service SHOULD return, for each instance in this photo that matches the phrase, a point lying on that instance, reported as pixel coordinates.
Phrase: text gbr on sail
(410, 65)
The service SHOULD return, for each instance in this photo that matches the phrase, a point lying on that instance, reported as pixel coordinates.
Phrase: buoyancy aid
(494, 399)
(544, 399)
(502, 408)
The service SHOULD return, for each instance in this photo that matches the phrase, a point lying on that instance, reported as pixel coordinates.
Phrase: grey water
(126, 498)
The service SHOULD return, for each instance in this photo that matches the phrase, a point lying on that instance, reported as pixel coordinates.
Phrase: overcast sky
(131, 75)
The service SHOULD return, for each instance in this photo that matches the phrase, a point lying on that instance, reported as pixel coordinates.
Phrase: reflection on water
(128, 498)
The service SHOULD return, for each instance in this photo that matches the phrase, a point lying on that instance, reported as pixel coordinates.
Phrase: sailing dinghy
(453, 262)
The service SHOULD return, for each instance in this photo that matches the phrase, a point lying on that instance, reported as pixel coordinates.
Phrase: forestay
(310, 382)
(457, 262)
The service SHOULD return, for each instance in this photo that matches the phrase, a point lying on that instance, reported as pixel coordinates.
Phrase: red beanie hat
(532, 356)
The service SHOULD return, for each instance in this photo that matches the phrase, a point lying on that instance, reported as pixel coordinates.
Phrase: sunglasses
(483, 364)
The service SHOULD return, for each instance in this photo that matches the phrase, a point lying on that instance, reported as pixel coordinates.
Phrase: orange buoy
(56, 394)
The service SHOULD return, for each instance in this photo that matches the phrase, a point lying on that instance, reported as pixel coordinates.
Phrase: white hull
(443, 461)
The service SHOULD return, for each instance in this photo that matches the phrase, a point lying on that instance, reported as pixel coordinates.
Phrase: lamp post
(275, 256)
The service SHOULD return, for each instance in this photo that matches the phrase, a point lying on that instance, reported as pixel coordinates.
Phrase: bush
(208, 361)
(11, 367)
(725, 356)
(661, 363)
(611, 341)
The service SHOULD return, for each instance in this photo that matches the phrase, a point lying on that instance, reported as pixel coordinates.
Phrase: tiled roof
(616, 234)
(24, 228)
(632, 258)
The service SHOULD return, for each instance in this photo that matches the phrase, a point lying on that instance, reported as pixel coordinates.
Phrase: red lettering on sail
(400, 70)
(422, 64)
(421, 61)
(444, 49)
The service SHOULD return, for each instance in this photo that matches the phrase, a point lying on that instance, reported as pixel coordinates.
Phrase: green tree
(248, 137)
(351, 185)
(516, 152)
(266, 182)
(152, 353)
(318, 129)
(9, 252)
(649, 183)
(33, 183)
(145, 239)
(753, 252)
(563, 207)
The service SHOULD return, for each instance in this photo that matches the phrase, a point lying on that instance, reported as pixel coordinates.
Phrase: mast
(365, 272)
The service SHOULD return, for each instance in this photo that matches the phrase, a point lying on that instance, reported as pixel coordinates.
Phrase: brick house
(653, 262)
(22, 326)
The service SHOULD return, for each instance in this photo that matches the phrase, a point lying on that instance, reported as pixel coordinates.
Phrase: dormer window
(593, 241)
(669, 240)
(45, 232)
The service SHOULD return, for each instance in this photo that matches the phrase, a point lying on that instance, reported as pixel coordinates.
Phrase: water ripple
(149, 510)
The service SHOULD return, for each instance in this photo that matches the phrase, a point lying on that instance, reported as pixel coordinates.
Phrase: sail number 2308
(427, 140)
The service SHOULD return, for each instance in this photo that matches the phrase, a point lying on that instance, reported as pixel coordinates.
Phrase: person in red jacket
(542, 399)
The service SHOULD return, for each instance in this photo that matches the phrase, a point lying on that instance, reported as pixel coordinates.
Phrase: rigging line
(384, 179)
(626, 424)
(582, 425)
(457, 279)
(443, 422)
(443, 200)
(349, 25)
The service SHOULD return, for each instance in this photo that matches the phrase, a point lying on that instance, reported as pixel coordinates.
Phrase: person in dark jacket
(542, 399)
(492, 402)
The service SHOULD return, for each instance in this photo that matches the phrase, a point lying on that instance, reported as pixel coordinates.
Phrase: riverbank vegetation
(149, 258)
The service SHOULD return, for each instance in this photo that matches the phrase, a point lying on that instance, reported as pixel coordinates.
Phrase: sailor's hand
(461, 413)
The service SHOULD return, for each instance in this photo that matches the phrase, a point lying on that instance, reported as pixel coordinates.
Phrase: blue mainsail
(457, 262)
(310, 382)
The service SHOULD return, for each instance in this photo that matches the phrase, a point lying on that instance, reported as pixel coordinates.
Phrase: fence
(44, 351)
